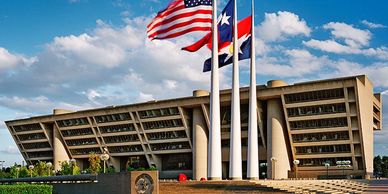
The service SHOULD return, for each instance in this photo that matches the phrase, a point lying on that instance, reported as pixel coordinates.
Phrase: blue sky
(78, 54)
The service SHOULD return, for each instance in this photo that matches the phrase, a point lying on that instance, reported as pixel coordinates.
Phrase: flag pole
(253, 150)
(235, 164)
(214, 154)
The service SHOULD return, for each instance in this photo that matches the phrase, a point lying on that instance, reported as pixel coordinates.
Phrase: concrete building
(313, 122)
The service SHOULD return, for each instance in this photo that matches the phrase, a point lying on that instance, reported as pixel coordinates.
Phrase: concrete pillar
(59, 153)
(199, 145)
(277, 154)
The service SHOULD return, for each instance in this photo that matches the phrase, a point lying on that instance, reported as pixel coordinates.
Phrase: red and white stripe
(177, 20)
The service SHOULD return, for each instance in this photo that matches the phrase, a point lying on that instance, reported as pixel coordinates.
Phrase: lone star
(224, 19)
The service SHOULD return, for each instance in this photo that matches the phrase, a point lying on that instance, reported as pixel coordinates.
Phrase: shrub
(26, 189)
(94, 161)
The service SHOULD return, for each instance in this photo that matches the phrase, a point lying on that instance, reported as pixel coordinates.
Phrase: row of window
(226, 114)
(314, 95)
(170, 146)
(78, 142)
(166, 135)
(319, 123)
(323, 149)
(73, 122)
(117, 128)
(85, 151)
(112, 118)
(322, 161)
(40, 154)
(226, 142)
(316, 110)
(32, 136)
(77, 132)
(163, 124)
(121, 138)
(30, 146)
(159, 112)
(121, 149)
(29, 127)
(315, 137)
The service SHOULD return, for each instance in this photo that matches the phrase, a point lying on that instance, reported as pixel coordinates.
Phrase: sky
(80, 54)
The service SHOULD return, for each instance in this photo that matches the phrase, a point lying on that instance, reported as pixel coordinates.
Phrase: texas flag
(225, 55)
(225, 31)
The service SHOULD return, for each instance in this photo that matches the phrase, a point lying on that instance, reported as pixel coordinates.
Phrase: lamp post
(17, 171)
(31, 167)
(343, 164)
(104, 157)
(327, 165)
(1, 163)
(273, 161)
(296, 162)
(49, 165)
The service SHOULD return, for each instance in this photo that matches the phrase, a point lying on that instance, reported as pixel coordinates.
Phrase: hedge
(26, 189)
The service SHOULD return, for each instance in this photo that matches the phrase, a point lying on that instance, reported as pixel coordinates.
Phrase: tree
(377, 165)
(41, 169)
(95, 163)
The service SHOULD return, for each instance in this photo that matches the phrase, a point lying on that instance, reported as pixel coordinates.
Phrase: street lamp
(31, 167)
(273, 161)
(17, 171)
(296, 162)
(49, 165)
(104, 157)
(327, 165)
(1, 163)
(343, 164)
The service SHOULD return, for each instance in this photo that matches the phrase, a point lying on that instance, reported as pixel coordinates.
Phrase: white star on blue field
(78, 54)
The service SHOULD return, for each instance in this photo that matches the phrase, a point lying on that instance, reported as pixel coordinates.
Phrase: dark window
(113, 118)
(162, 112)
(117, 128)
(170, 146)
(85, 151)
(29, 127)
(324, 149)
(316, 137)
(73, 122)
(33, 136)
(121, 138)
(77, 132)
(319, 123)
(316, 110)
(121, 149)
(39, 145)
(314, 95)
(163, 124)
(177, 162)
(78, 142)
(166, 135)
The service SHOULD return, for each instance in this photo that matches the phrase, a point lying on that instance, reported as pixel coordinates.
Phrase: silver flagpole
(235, 163)
(214, 154)
(253, 150)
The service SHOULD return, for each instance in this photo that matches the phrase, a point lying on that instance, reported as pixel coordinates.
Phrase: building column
(200, 145)
(59, 152)
(277, 154)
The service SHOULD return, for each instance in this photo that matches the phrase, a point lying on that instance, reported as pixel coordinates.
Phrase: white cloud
(9, 60)
(372, 25)
(353, 37)
(9, 150)
(335, 47)
(280, 25)
(145, 97)
(297, 63)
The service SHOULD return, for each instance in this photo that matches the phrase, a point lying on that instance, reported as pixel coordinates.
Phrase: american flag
(181, 17)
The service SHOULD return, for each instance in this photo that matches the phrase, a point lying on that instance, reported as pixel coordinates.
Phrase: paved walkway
(378, 186)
